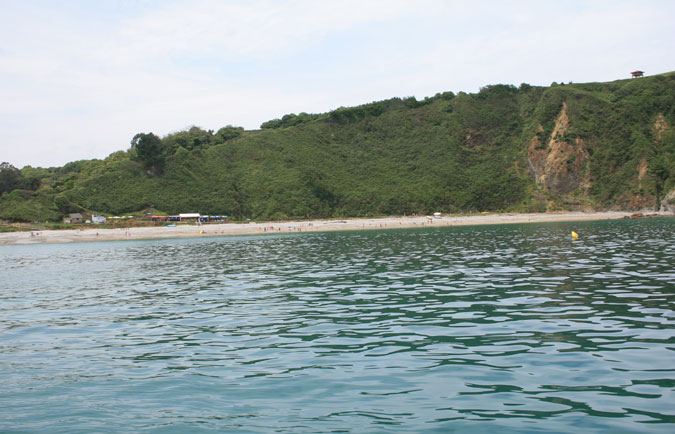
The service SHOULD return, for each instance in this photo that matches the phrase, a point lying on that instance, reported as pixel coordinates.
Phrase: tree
(228, 133)
(191, 139)
(34, 176)
(11, 178)
(150, 152)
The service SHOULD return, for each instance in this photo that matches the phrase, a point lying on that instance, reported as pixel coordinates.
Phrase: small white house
(98, 219)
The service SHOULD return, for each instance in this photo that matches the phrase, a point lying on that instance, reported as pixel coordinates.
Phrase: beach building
(98, 219)
(189, 217)
(217, 219)
(73, 218)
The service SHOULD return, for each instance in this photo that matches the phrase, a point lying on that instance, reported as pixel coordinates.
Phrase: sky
(78, 79)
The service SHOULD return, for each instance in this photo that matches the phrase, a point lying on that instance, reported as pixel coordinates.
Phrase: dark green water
(514, 328)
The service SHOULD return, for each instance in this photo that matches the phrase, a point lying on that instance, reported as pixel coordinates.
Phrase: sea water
(516, 328)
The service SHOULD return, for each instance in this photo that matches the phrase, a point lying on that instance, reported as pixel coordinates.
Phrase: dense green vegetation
(452, 153)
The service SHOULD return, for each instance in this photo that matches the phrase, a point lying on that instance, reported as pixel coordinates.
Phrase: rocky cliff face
(668, 202)
(559, 163)
(639, 198)
(661, 127)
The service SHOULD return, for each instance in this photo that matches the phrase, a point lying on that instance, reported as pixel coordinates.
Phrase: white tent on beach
(189, 217)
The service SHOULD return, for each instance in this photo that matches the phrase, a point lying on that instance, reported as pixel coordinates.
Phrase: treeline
(152, 151)
(353, 114)
(608, 144)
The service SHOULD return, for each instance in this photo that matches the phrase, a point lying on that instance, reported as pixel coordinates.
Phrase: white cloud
(258, 29)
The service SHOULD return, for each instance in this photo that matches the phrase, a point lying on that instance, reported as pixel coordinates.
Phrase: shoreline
(260, 228)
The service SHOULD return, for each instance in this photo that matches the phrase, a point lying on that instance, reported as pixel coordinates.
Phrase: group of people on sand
(271, 228)
(34, 234)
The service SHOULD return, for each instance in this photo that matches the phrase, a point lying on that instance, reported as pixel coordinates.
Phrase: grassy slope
(452, 153)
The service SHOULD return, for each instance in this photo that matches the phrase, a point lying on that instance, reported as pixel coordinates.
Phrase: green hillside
(505, 148)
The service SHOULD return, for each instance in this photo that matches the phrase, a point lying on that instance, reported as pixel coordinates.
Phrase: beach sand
(258, 228)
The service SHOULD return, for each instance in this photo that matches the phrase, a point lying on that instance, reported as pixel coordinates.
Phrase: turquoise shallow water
(516, 328)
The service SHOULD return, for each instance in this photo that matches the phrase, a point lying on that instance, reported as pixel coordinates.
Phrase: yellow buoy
(575, 235)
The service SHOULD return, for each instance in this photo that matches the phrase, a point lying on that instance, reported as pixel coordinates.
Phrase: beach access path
(259, 228)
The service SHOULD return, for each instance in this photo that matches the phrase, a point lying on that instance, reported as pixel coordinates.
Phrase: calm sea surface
(515, 328)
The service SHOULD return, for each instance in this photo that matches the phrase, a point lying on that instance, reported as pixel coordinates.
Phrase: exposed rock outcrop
(642, 171)
(668, 202)
(660, 126)
(636, 201)
(559, 165)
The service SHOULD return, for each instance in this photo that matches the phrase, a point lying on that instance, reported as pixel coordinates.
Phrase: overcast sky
(79, 78)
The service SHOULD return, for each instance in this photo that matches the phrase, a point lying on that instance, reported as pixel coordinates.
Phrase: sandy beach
(259, 228)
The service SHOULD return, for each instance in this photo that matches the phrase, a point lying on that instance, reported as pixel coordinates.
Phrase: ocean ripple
(514, 327)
